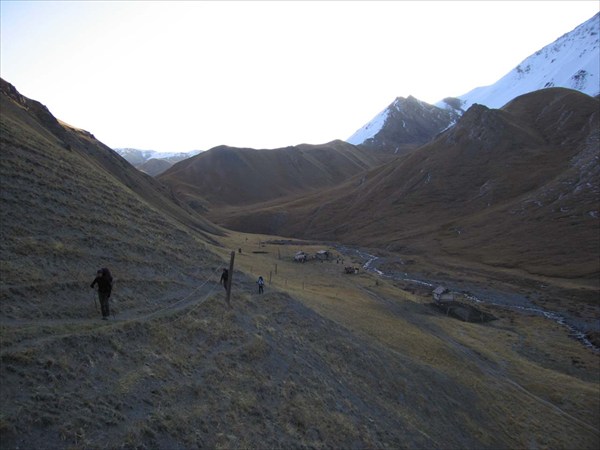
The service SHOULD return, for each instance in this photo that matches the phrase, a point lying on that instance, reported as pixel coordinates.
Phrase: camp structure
(322, 255)
(300, 257)
(442, 294)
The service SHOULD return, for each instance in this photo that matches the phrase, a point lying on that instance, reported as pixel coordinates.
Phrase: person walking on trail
(224, 278)
(104, 281)
(261, 284)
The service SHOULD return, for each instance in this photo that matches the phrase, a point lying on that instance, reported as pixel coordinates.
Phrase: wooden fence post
(229, 279)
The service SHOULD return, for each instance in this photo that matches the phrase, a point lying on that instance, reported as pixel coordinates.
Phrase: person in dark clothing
(261, 284)
(104, 281)
(224, 277)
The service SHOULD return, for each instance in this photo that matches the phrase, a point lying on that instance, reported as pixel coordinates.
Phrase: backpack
(106, 273)
(261, 282)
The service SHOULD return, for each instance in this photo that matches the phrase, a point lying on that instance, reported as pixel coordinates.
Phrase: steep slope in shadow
(515, 187)
(71, 205)
(18, 109)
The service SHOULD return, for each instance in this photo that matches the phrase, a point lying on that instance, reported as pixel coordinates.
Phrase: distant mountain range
(571, 61)
(513, 187)
(407, 123)
(153, 162)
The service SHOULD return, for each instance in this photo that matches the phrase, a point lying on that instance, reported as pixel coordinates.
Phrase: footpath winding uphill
(345, 361)
(268, 372)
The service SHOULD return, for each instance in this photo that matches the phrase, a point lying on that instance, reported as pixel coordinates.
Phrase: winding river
(477, 295)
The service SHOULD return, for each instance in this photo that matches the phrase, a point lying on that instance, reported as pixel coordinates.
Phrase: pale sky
(180, 76)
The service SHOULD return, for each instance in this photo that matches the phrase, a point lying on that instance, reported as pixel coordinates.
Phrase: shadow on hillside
(462, 311)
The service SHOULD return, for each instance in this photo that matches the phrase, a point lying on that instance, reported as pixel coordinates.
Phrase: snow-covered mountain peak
(371, 128)
(407, 108)
(572, 61)
(138, 158)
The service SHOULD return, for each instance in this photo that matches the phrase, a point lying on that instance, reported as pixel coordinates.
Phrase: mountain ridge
(404, 125)
(67, 195)
(490, 159)
(571, 62)
(153, 162)
(229, 176)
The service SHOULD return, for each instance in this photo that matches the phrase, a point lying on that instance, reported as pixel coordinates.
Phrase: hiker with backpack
(224, 277)
(104, 281)
(261, 284)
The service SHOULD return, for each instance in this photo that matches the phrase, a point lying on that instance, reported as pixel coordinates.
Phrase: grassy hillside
(516, 187)
(154, 167)
(493, 382)
(69, 206)
(227, 176)
(320, 360)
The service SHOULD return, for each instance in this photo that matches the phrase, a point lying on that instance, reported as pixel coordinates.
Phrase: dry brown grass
(374, 367)
(508, 364)
(320, 360)
(514, 188)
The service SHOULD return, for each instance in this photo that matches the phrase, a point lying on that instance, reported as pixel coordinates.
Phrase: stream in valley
(577, 327)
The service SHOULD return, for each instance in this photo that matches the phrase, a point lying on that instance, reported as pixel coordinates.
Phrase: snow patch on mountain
(572, 61)
(138, 157)
(370, 129)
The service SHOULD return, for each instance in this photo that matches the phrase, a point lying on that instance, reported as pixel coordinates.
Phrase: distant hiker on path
(224, 277)
(261, 284)
(104, 281)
